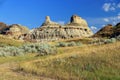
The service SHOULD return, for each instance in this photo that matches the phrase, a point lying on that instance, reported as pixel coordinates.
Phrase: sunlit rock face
(49, 30)
(16, 31)
(49, 23)
(78, 21)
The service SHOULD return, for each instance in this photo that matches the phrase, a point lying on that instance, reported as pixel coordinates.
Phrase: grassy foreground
(78, 63)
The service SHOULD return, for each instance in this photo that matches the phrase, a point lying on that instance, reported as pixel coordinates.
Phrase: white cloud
(118, 17)
(113, 20)
(61, 22)
(106, 19)
(106, 6)
(93, 28)
(114, 23)
(95, 21)
(118, 5)
(103, 25)
(111, 6)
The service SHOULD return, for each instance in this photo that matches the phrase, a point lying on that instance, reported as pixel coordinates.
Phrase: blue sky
(31, 13)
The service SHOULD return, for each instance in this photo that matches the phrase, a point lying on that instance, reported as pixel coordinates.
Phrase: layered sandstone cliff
(49, 30)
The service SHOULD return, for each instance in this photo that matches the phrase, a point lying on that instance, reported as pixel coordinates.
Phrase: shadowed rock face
(106, 31)
(77, 28)
(116, 30)
(3, 26)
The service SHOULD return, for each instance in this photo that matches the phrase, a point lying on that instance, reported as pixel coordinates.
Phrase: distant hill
(108, 31)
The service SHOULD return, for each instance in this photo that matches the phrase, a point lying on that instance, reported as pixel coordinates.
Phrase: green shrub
(62, 44)
(41, 49)
(46, 49)
(71, 43)
(68, 44)
(79, 44)
(112, 40)
(118, 38)
(10, 51)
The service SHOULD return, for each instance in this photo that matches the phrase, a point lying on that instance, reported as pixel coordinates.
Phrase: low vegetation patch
(40, 49)
(68, 44)
(99, 41)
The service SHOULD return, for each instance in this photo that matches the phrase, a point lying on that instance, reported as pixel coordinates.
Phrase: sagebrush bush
(40, 49)
(112, 40)
(118, 37)
(68, 44)
(10, 51)
(79, 43)
(71, 43)
(62, 44)
(46, 49)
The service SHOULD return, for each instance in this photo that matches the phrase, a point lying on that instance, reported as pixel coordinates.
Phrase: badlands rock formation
(49, 30)
(3, 26)
(15, 31)
(116, 30)
(106, 31)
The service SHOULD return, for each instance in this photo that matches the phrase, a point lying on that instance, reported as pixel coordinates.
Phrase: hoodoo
(49, 23)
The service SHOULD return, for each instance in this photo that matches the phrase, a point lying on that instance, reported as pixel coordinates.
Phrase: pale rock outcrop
(16, 31)
(49, 23)
(77, 21)
(49, 31)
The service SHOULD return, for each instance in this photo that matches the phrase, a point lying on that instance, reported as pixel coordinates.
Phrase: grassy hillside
(5, 41)
(78, 63)
(87, 62)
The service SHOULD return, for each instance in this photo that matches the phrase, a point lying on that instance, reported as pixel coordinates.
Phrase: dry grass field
(78, 63)
(86, 62)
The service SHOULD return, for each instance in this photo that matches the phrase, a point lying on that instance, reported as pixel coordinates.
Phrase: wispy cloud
(94, 29)
(96, 21)
(113, 20)
(106, 19)
(61, 22)
(99, 22)
(111, 6)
